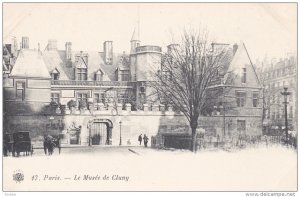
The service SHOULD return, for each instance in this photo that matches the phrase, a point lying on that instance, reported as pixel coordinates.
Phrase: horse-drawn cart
(21, 143)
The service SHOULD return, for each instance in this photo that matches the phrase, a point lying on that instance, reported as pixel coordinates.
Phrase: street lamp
(120, 133)
(285, 93)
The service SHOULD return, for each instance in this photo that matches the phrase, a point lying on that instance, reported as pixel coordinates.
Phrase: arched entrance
(100, 132)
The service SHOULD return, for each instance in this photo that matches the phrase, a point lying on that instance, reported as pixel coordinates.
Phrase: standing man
(140, 139)
(145, 140)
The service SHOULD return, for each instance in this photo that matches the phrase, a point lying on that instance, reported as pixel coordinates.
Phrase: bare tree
(187, 70)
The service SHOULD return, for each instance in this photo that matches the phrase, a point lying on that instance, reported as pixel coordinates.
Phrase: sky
(265, 28)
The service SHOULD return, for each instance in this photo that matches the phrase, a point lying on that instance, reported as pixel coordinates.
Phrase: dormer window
(55, 74)
(99, 75)
(124, 74)
(81, 64)
(81, 74)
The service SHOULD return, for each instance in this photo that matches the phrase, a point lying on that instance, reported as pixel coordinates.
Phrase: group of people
(145, 138)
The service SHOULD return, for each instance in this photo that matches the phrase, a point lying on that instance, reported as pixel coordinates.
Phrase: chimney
(52, 45)
(25, 42)
(234, 48)
(68, 47)
(108, 52)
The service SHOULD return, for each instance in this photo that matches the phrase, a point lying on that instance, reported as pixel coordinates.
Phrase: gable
(30, 64)
(241, 63)
(80, 63)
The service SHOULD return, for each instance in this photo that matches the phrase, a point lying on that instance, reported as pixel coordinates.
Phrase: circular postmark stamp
(18, 176)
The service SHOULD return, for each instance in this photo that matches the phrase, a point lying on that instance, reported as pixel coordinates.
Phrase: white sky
(265, 28)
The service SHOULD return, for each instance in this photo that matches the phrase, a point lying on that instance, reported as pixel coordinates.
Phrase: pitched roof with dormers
(95, 61)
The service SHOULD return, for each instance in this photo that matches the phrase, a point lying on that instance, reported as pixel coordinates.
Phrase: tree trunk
(194, 139)
(194, 136)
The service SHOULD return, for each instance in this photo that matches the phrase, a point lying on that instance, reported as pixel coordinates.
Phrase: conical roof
(136, 34)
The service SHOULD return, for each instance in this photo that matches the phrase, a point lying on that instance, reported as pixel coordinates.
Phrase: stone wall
(133, 123)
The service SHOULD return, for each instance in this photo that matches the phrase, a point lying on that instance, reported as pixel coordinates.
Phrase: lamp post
(120, 133)
(285, 93)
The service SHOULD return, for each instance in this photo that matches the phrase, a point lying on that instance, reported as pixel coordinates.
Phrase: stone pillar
(128, 107)
(170, 108)
(119, 107)
(162, 107)
(146, 107)
(67, 110)
(155, 107)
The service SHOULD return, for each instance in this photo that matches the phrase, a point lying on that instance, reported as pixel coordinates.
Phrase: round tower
(147, 65)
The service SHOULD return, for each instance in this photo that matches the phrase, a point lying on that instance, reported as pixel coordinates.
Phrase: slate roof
(30, 64)
(57, 59)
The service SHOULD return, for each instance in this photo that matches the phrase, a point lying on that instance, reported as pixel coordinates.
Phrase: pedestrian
(145, 140)
(140, 139)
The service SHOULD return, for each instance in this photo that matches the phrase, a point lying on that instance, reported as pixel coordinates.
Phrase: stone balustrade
(117, 108)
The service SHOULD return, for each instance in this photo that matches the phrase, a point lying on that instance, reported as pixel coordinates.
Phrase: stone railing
(118, 109)
(91, 83)
(142, 49)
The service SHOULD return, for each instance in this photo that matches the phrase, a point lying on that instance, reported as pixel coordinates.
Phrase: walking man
(140, 139)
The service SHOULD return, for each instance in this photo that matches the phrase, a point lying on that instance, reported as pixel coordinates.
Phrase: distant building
(278, 75)
(100, 97)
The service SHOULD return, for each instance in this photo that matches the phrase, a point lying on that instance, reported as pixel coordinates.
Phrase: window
(240, 99)
(20, 91)
(274, 98)
(123, 98)
(278, 99)
(241, 126)
(55, 97)
(96, 98)
(273, 115)
(99, 98)
(124, 74)
(81, 96)
(244, 76)
(282, 72)
(81, 74)
(99, 76)
(255, 99)
(54, 76)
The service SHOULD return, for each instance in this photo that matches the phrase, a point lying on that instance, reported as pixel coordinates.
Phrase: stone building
(100, 97)
(276, 76)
